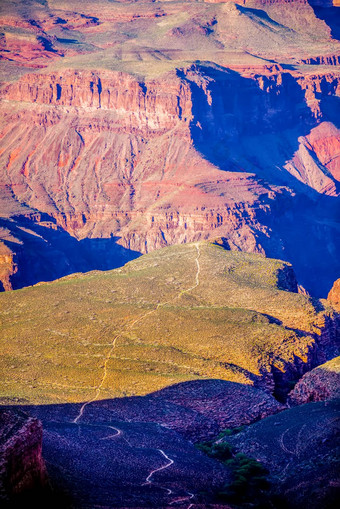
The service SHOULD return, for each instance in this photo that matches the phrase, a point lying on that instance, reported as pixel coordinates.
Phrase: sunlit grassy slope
(180, 313)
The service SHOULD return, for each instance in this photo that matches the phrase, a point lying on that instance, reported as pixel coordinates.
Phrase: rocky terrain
(300, 448)
(320, 384)
(136, 364)
(169, 185)
(139, 435)
(148, 124)
(23, 473)
(334, 295)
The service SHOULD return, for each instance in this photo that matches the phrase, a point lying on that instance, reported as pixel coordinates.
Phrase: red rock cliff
(163, 161)
(22, 469)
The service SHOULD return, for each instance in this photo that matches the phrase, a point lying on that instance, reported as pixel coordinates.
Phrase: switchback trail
(170, 462)
(118, 433)
(129, 326)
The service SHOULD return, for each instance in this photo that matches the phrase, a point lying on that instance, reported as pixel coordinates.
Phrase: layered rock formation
(320, 384)
(22, 469)
(123, 136)
(122, 192)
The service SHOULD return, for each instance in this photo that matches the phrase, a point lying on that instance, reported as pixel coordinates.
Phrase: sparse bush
(230, 431)
(249, 480)
(219, 451)
(249, 475)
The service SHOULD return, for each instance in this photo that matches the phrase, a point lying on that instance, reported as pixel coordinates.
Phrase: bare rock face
(131, 130)
(105, 155)
(7, 267)
(320, 384)
(22, 469)
(334, 295)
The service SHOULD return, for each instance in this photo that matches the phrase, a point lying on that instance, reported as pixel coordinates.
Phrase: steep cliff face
(325, 345)
(22, 469)
(168, 160)
(320, 384)
(36, 249)
(7, 267)
(334, 295)
(124, 136)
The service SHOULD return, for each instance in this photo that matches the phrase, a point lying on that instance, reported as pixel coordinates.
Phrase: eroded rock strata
(175, 151)
(320, 384)
(22, 468)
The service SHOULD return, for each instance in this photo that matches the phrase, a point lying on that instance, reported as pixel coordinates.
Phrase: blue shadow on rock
(45, 253)
(240, 126)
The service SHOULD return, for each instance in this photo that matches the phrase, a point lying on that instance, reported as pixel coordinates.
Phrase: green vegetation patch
(182, 313)
(249, 476)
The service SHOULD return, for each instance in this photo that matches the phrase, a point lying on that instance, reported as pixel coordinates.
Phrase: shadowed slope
(300, 448)
(38, 250)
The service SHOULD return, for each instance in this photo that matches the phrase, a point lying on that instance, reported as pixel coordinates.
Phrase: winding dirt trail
(129, 327)
(118, 432)
(170, 462)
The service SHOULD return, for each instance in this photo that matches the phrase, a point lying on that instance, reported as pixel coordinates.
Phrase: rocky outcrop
(322, 60)
(22, 469)
(153, 146)
(334, 295)
(223, 404)
(148, 107)
(8, 267)
(321, 145)
(320, 384)
(325, 345)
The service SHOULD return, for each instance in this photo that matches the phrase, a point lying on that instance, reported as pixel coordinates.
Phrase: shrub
(249, 475)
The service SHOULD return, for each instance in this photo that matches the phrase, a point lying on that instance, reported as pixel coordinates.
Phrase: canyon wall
(142, 125)
(334, 295)
(320, 384)
(163, 161)
(22, 469)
